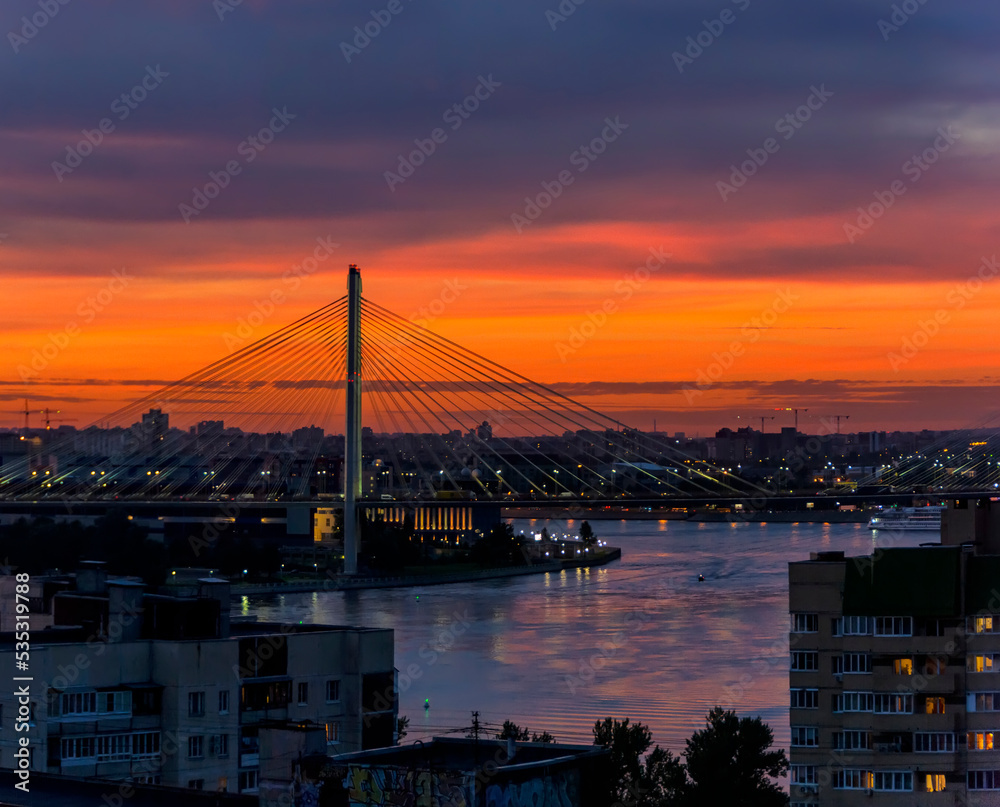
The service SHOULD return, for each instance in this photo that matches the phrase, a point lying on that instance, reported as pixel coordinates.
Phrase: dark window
(265, 695)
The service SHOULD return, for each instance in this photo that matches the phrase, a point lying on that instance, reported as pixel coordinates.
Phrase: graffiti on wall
(556, 790)
(399, 787)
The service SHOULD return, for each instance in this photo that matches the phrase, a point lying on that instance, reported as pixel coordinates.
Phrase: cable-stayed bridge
(355, 402)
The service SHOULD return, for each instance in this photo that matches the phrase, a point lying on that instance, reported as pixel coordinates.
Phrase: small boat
(701, 578)
(925, 519)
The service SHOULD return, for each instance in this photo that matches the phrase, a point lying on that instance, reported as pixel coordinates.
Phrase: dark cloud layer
(353, 119)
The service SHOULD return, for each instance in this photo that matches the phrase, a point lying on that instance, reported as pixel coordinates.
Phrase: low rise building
(160, 689)
(445, 771)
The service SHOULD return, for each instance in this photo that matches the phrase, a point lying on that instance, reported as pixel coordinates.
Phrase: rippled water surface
(639, 638)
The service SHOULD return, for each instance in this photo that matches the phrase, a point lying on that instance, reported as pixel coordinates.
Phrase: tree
(657, 781)
(500, 548)
(728, 762)
(388, 547)
(587, 533)
(402, 725)
(513, 731)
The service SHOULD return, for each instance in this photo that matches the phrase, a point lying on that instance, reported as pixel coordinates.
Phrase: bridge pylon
(352, 431)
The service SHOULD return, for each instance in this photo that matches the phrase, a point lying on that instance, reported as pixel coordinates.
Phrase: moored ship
(908, 518)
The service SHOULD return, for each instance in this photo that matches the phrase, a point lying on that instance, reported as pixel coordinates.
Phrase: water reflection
(641, 638)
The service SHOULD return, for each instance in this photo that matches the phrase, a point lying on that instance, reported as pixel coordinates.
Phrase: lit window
(934, 706)
(332, 733)
(982, 624)
(985, 663)
(980, 740)
(902, 666)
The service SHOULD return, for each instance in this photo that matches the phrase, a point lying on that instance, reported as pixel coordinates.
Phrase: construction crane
(48, 418)
(792, 409)
(762, 419)
(27, 416)
(838, 417)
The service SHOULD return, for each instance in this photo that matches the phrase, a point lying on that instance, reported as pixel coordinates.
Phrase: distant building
(895, 670)
(310, 437)
(450, 772)
(164, 689)
(155, 425)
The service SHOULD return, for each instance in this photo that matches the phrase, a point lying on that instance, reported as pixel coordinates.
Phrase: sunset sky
(708, 234)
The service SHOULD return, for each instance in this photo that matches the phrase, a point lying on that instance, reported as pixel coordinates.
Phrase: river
(639, 638)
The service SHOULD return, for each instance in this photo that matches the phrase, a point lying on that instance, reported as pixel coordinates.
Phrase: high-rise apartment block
(895, 670)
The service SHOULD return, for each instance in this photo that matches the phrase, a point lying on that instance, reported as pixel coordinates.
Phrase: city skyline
(665, 226)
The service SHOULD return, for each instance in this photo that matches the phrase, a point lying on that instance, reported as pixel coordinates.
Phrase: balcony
(885, 680)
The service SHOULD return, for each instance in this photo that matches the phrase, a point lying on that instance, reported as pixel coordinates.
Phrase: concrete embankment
(354, 583)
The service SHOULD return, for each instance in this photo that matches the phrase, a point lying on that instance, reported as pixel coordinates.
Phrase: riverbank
(695, 514)
(610, 554)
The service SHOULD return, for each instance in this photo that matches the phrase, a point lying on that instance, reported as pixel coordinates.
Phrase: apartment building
(895, 670)
(161, 689)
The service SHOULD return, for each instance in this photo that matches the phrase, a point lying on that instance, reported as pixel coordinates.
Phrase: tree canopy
(730, 761)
